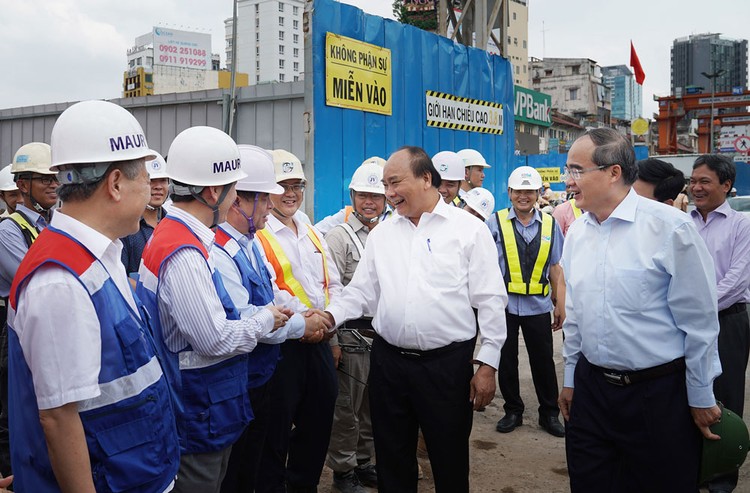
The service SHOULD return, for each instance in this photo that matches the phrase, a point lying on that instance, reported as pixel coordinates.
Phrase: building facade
(517, 42)
(270, 42)
(696, 54)
(627, 95)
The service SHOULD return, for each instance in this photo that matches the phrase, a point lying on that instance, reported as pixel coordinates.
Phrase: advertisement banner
(183, 49)
(457, 113)
(358, 75)
(532, 106)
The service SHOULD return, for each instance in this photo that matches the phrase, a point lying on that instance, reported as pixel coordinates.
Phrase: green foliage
(426, 20)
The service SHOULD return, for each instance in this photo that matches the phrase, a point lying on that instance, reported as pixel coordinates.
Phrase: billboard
(532, 106)
(183, 49)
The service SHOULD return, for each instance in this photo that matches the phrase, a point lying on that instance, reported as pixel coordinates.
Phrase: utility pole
(712, 77)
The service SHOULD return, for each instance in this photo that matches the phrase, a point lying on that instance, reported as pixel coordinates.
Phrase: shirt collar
(275, 225)
(625, 210)
(92, 239)
(236, 235)
(440, 209)
(512, 214)
(30, 213)
(204, 234)
(724, 209)
(354, 222)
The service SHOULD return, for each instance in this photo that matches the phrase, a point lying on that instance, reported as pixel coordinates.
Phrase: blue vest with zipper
(130, 427)
(213, 407)
(262, 361)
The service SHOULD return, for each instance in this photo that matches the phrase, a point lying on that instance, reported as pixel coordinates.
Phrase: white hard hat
(449, 165)
(34, 157)
(258, 164)
(157, 167)
(481, 200)
(204, 157)
(375, 159)
(473, 158)
(287, 166)
(97, 132)
(368, 178)
(6, 180)
(525, 178)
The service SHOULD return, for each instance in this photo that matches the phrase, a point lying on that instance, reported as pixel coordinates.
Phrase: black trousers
(639, 437)
(428, 392)
(729, 387)
(537, 334)
(304, 389)
(244, 460)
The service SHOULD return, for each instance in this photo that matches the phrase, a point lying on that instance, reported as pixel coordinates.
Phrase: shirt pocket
(443, 270)
(627, 289)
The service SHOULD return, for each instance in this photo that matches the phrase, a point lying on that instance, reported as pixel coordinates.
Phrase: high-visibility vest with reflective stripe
(576, 210)
(348, 212)
(29, 231)
(213, 407)
(262, 361)
(285, 279)
(130, 427)
(515, 282)
(458, 201)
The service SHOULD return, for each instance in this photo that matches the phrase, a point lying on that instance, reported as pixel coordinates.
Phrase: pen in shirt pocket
(429, 247)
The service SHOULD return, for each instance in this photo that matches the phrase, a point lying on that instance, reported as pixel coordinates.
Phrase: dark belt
(363, 325)
(731, 310)
(418, 354)
(622, 378)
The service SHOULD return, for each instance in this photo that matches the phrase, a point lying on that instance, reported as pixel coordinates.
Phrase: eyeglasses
(576, 173)
(294, 188)
(46, 180)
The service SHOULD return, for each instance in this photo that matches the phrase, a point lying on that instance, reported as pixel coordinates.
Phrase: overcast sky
(69, 50)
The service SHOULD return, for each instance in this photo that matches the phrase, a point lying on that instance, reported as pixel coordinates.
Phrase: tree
(423, 18)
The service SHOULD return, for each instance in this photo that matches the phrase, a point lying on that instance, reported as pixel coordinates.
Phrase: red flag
(640, 76)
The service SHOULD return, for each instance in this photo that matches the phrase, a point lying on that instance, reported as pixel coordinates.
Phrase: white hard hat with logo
(472, 157)
(6, 180)
(449, 165)
(97, 132)
(287, 166)
(258, 164)
(481, 200)
(525, 178)
(157, 167)
(376, 160)
(34, 157)
(368, 178)
(203, 157)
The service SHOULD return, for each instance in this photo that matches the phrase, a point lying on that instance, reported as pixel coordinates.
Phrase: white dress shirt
(189, 308)
(640, 292)
(232, 278)
(421, 283)
(57, 325)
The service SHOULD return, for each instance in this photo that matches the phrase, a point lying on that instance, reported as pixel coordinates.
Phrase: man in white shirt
(421, 274)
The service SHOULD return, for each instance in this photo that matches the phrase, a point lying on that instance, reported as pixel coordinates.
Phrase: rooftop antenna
(544, 40)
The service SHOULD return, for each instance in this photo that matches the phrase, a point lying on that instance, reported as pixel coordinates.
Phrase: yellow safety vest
(458, 201)
(576, 211)
(285, 279)
(29, 232)
(536, 285)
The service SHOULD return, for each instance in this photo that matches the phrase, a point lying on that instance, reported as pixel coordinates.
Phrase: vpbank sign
(532, 107)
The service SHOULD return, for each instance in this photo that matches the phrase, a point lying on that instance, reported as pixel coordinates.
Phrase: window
(281, 7)
(295, 10)
(257, 78)
(517, 70)
(150, 61)
(139, 61)
(149, 77)
(573, 94)
(257, 36)
(548, 72)
(281, 63)
(257, 51)
(296, 78)
(524, 44)
(296, 53)
(524, 69)
(257, 22)
(514, 16)
(295, 25)
(515, 41)
(281, 21)
(281, 35)
(295, 38)
(131, 63)
(257, 64)
(296, 66)
(281, 77)
(281, 49)
(508, 39)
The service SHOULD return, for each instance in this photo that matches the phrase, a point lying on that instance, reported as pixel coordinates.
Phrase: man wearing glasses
(641, 330)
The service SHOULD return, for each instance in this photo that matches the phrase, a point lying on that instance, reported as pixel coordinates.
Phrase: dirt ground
(528, 460)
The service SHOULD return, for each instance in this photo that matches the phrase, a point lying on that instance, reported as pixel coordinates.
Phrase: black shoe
(551, 424)
(347, 482)
(367, 475)
(509, 422)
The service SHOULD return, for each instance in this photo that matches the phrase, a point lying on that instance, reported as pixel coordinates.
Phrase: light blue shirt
(640, 293)
(534, 304)
(13, 246)
(232, 278)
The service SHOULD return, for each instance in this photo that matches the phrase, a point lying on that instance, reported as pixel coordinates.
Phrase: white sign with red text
(184, 49)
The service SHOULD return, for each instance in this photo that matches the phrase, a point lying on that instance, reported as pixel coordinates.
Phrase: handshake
(318, 324)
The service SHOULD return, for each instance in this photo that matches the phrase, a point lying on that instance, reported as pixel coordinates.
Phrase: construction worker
(304, 384)
(248, 282)
(479, 202)
(327, 223)
(451, 169)
(133, 245)
(351, 448)
(529, 246)
(9, 193)
(474, 164)
(90, 409)
(201, 338)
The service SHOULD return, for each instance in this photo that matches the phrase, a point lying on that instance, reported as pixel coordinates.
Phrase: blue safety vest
(130, 427)
(262, 361)
(213, 407)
